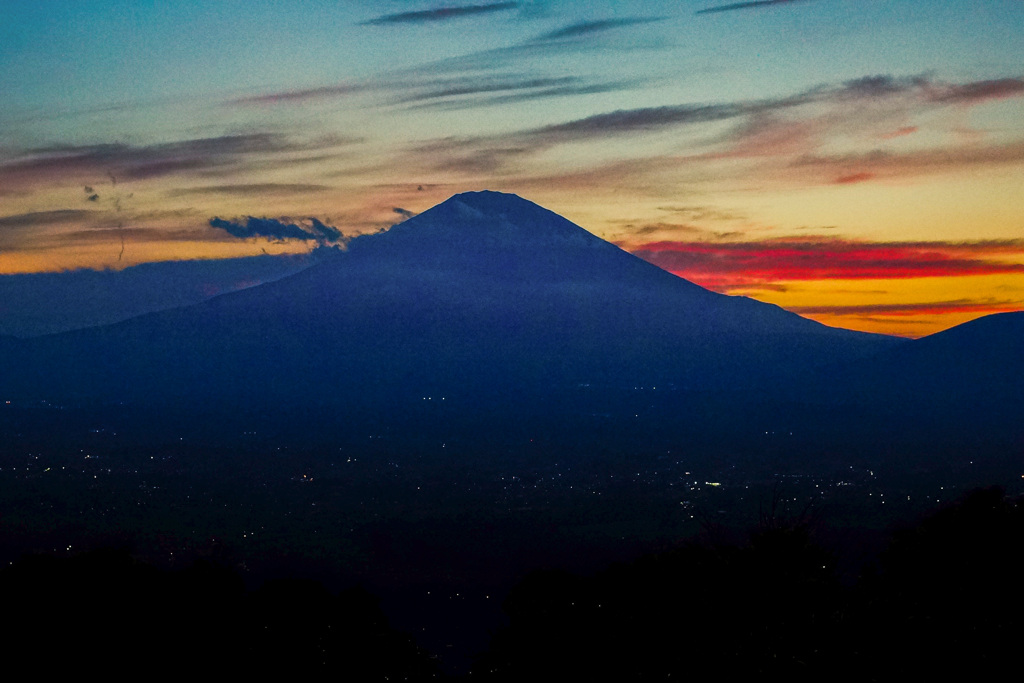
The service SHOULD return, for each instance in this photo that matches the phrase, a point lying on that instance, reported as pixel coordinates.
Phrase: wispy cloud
(485, 85)
(754, 4)
(981, 91)
(655, 118)
(573, 38)
(913, 308)
(138, 162)
(879, 164)
(632, 120)
(488, 92)
(588, 28)
(250, 189)
(873, 89)
(441, 14)
(302, 95)
(134, 235)
(38, 218)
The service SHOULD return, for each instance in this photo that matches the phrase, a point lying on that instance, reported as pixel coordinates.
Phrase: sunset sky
(860, 162)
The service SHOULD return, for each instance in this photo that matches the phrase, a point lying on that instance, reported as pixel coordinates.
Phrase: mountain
(969, 375)
(487, 299)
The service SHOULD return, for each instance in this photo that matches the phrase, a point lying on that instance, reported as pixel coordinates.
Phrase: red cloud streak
(911, 309)
(821, 259)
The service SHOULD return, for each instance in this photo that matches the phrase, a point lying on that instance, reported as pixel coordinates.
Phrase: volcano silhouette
(486, 296)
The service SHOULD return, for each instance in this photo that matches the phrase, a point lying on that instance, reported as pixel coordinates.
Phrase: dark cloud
(278, 230)
(907, 309)
(625, 121)
(881, 85)
(531, 95)
(303, 95)
(475, 86)
(142, 161)
(980, 91)
(327, 233)
(572, 38)
(404, 213)
(630, 120)
(441, 14)
(491, 91)
(250, 190)
(587, 28)
(209, 156)
(754, 4)
(36, 218)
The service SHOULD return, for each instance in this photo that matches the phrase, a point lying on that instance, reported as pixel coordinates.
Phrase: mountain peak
(484, 199)
(491, 219)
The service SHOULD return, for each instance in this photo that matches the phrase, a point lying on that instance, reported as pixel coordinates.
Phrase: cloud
(754, 4)
(278, 230)
(909, 309)
(327, 233)
(854, 178)
(654, 118)
(853, 168)
(488, 84)
(37, 218)
(588, 28)
(302, 95)
(468, 156)
(899, 132)
(702, 213)
(573, 38)
(134, 162)
(633, 120)
(404, 213)
(441, 14)
(981, 91)
(112, 235)
(250, 189)
(448, 93)
(514, 93)
(819, 258)
(880, 86)
(921, 91)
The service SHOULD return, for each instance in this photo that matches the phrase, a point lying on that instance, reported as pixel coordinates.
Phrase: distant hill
(34, 304)
(972, 374)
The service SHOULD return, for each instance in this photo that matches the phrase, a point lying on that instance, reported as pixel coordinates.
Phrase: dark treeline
(943, 599)
(104, 612)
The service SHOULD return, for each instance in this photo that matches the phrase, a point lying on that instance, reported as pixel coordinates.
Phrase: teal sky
(64, 56)
(764, 120)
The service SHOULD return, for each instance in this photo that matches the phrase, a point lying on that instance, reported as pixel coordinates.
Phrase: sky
(859, 162)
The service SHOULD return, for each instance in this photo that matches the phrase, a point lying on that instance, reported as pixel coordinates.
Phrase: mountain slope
(974, 367)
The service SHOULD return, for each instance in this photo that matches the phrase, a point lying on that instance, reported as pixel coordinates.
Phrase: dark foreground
(942, 597)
